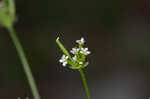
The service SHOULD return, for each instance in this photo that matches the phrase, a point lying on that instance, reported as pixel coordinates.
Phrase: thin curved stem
(84, 83)
(24, 62)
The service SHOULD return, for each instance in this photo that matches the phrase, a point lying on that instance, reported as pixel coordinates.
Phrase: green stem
(84, 83)
(24, 62)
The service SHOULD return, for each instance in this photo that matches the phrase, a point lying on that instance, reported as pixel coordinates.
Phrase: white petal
(66, 57)
(57, 38)
(72, 51)
(64, 64)
(80, 63)
(81, 52)
(82, 40)
(61, 60)
(63, 57)
(77, 41)
(74, 58)
(88, 52)
(86, 49)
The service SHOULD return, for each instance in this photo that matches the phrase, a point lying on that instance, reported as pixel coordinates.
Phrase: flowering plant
(79, 55)
(77, 61)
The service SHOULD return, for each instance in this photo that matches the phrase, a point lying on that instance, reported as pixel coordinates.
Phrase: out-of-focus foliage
(7, 13)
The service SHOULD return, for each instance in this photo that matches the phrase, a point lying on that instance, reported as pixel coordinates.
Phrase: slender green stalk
(24, 62)
(62, 48)
(84, 83)
(12, 9)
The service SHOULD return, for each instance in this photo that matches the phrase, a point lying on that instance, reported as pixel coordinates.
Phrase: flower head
(78, 60)
(85, 51)
(80, 63)
(63, 60)
(81, 41)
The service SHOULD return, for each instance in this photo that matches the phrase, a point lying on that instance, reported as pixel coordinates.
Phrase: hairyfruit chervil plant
(7, 20)
(76, 61)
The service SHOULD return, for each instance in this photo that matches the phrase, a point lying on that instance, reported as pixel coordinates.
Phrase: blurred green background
(117, 33)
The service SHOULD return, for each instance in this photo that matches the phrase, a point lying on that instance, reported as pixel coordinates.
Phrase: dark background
(117, 33)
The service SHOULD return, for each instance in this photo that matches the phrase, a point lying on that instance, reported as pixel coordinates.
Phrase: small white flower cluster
(74, 50)
(79, 53)
(81, 41)
(82, 50)
(85, 51)
(63, 60)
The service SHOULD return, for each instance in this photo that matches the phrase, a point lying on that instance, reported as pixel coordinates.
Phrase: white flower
(74, 58)
(85, 51)
(80, 63)
(57, 38)
(63, 60)
(81, 41)
(74, 50)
